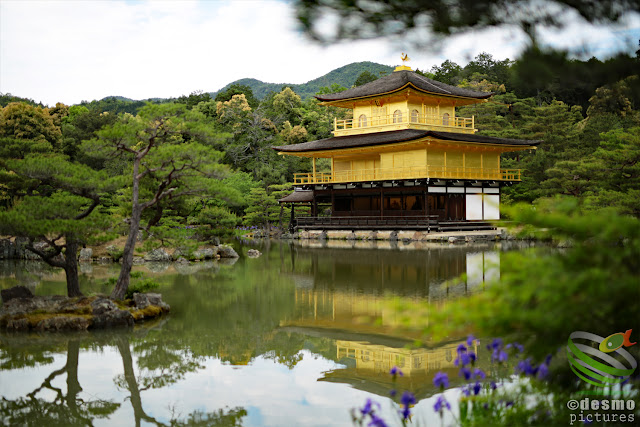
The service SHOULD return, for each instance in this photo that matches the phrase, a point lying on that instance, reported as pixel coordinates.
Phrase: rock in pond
(158, 255)
(85, 254)
(204, 253)
(227, 252)
(59, 313)
(253, 253)
(15, 292)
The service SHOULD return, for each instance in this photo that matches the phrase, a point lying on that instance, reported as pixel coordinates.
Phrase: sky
(68, 51)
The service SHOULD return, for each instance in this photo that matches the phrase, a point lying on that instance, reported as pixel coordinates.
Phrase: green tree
(238, 89)
(194, 98)
(23, 121)
(616, 98)
(220, 221)
(448, 72)
(80, 125)
(487, 67)
(287, 103)
(169, 161)
(334, 88)
(365, 77)
(60, 209)
(262, 210)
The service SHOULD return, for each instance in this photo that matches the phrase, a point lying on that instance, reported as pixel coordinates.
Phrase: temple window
(362, 121)
(445, 119)
(397, 116)
(414, 116)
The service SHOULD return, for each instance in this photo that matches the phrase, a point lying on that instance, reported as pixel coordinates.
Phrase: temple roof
(390, 137)
(398, 80)
(298, 196)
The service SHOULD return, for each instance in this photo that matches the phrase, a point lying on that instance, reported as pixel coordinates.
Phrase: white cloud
(73, 50)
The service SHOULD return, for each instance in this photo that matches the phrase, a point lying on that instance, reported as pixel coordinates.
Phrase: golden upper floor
(404, 127)
(403, 100)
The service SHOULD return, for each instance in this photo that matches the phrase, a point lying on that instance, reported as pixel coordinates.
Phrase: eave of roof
(390, 137)
(298, 196)
(399, 80)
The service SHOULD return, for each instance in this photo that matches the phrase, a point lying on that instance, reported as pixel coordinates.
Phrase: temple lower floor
(416, 204)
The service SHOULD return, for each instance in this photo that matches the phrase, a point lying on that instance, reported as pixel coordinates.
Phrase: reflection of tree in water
(229, 314)
(64, 409)
(229, 418)
(161, 367)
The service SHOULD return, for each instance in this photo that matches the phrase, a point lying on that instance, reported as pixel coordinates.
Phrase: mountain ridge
(343, 76)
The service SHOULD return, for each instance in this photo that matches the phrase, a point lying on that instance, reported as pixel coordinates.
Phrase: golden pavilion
(405, 160)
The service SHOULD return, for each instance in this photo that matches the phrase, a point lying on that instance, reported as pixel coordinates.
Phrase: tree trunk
(132, 384)
(122, 284)
(73, 385)
(71, 269)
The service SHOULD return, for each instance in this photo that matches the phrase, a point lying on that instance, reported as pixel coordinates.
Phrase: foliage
(262, 208)
(194, 98)
(364, 77)
(426, 23)
(141, 285)
(220, 221)
(169, 146)
(334, 88)
(237, 89)
(58, 208)
(544, 295)
(23, 121)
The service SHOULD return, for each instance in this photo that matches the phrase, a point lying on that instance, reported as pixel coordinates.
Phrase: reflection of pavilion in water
(368, 366)
(348, 289)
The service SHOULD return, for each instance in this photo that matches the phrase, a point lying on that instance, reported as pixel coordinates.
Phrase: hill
(344, 76)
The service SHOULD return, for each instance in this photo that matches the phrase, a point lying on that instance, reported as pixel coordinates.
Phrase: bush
(141, 286)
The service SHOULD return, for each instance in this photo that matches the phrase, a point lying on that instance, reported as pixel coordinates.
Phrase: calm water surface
(298, 336)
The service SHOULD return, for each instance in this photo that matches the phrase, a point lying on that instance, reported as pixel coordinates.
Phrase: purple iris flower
(441, 380)
(461, 349)
(499, 355)
(440, 404)
(376, 421)
(479, 373)
(517, 346)
(466, 373)
(462, 360)
(476, 388)
(470, 340)
(396, 371)
(368, 407)
(493, 385)
(547, 360)
(543, 371)
(407, 399)
(496, 343)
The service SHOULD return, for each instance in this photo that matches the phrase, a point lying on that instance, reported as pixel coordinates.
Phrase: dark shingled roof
(298, 196)
(399, 79)
(389, 137)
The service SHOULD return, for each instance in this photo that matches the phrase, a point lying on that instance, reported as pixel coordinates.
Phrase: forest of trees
(72, 175)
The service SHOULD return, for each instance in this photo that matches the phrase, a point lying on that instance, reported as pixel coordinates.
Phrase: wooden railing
(427, 222)
(418, 172)
(405, 117)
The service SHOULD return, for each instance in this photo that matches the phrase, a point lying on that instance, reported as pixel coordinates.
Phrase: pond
(298, 336)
